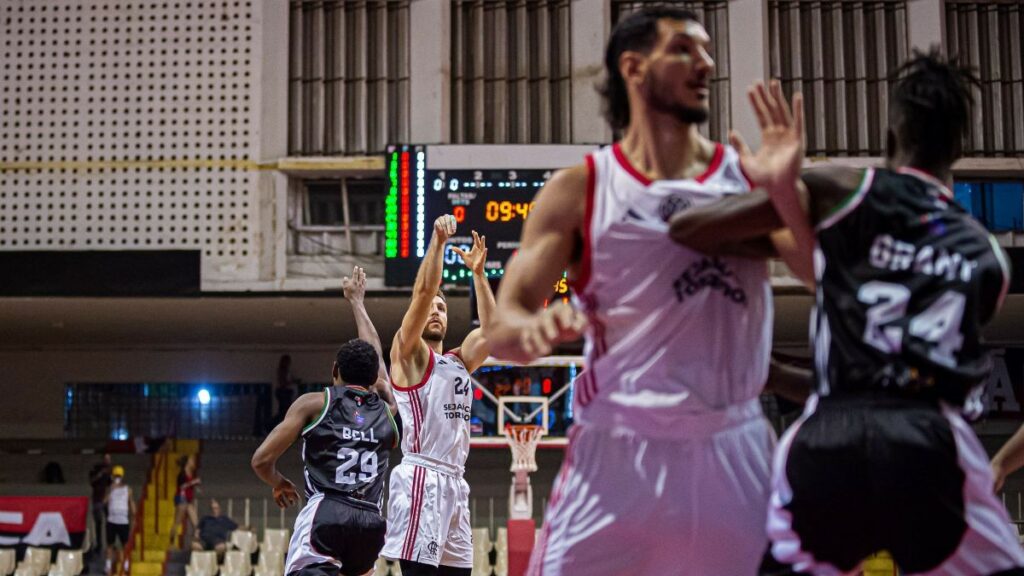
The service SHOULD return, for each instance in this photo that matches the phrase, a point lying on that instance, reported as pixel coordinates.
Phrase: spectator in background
(285, 388)
(99, 479)
(185, 496)
(120, 510)
(214, 531)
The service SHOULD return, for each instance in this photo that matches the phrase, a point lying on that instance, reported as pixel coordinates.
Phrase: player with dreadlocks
(882, 458)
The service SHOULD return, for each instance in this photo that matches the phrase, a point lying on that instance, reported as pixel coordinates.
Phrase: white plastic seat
(501, 558)
(236, 563)
(380, 567)
(274, 539)
(202, 564)
(482, 552)
(245, 541)
(69, 563)
(37, 560)
(271, 563)
(7, 561)
(26, 570)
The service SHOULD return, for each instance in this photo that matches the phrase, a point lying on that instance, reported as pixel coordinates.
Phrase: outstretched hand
(477, 255)
(354, 287)
(776, 165)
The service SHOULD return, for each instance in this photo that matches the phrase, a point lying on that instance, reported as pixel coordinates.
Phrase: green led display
(391, 210)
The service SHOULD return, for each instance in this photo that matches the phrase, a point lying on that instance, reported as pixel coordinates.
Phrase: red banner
(43, 521)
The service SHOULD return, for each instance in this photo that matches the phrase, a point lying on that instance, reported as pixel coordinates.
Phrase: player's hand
(477, 255)
(777, 164)
(285, 494)
(354, 288)
(444, 228)
(552, 326)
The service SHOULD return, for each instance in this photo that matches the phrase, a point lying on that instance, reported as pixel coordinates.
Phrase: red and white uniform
(428, 510)
(670, 458)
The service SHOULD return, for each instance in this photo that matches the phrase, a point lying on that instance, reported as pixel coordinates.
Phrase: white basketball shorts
(428, 514)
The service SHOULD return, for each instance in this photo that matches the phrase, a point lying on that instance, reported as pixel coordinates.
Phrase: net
(523, 439)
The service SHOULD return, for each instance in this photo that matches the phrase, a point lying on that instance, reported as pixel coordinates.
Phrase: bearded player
(428, 513)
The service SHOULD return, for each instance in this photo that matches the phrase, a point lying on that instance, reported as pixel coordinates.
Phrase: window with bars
(348, 89)
(841, 55)
(187, 410)
(511, 72)
(714, 15)
(321, 208)
(988, 36)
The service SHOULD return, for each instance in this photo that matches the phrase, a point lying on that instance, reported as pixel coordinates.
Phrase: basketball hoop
(523, 440)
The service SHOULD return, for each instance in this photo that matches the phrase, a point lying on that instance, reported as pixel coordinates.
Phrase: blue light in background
(203, 396)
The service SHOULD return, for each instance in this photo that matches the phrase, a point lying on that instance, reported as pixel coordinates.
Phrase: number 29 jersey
(906, 280)
(345, 450)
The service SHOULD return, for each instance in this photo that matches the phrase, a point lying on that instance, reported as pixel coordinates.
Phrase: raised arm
(475, 348)
(354, 288)
(738, 225)
(264, 460)
(552, 235)
(408, 347)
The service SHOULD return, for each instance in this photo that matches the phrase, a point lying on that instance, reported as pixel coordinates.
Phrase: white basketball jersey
(436, 411)
(674, 333)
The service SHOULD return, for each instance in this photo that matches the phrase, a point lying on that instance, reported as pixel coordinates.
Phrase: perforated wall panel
(128, 125)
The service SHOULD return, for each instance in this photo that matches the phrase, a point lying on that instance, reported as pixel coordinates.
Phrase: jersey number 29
(938, 324)
(349, 458)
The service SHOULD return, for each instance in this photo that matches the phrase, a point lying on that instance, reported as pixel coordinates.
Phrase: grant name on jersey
(359, 435)
(888, 253)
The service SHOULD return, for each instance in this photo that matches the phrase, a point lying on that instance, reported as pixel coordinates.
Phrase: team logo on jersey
(709, 274)
(671, 204)
(432, 549)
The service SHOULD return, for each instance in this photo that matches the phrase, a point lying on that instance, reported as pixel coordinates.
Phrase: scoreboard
(489, 189)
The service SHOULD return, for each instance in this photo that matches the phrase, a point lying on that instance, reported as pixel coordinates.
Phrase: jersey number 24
(938, 324)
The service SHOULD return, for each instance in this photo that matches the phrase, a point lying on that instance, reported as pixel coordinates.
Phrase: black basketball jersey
(345, 450)
(906, 280)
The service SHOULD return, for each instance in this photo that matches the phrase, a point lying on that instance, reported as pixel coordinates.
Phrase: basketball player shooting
(348, 431)
(428, 512)
(670, 455)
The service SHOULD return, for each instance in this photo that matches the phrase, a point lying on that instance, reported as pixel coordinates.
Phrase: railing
(138, 532)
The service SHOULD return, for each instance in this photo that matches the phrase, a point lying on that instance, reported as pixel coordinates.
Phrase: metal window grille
(511, 71)
(988, 36)
(342, 216)
(714, 15)
(120, 411)
(840, 55)
(348, 76)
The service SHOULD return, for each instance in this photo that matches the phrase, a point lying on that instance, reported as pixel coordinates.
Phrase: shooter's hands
(477, 255)
(444, 228)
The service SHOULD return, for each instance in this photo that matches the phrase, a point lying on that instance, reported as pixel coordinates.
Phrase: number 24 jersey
(906, 280)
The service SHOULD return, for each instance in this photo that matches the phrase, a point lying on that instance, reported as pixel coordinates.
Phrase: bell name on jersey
(359, 435)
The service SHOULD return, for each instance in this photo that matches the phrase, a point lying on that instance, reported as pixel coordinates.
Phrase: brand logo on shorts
(432, 549)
